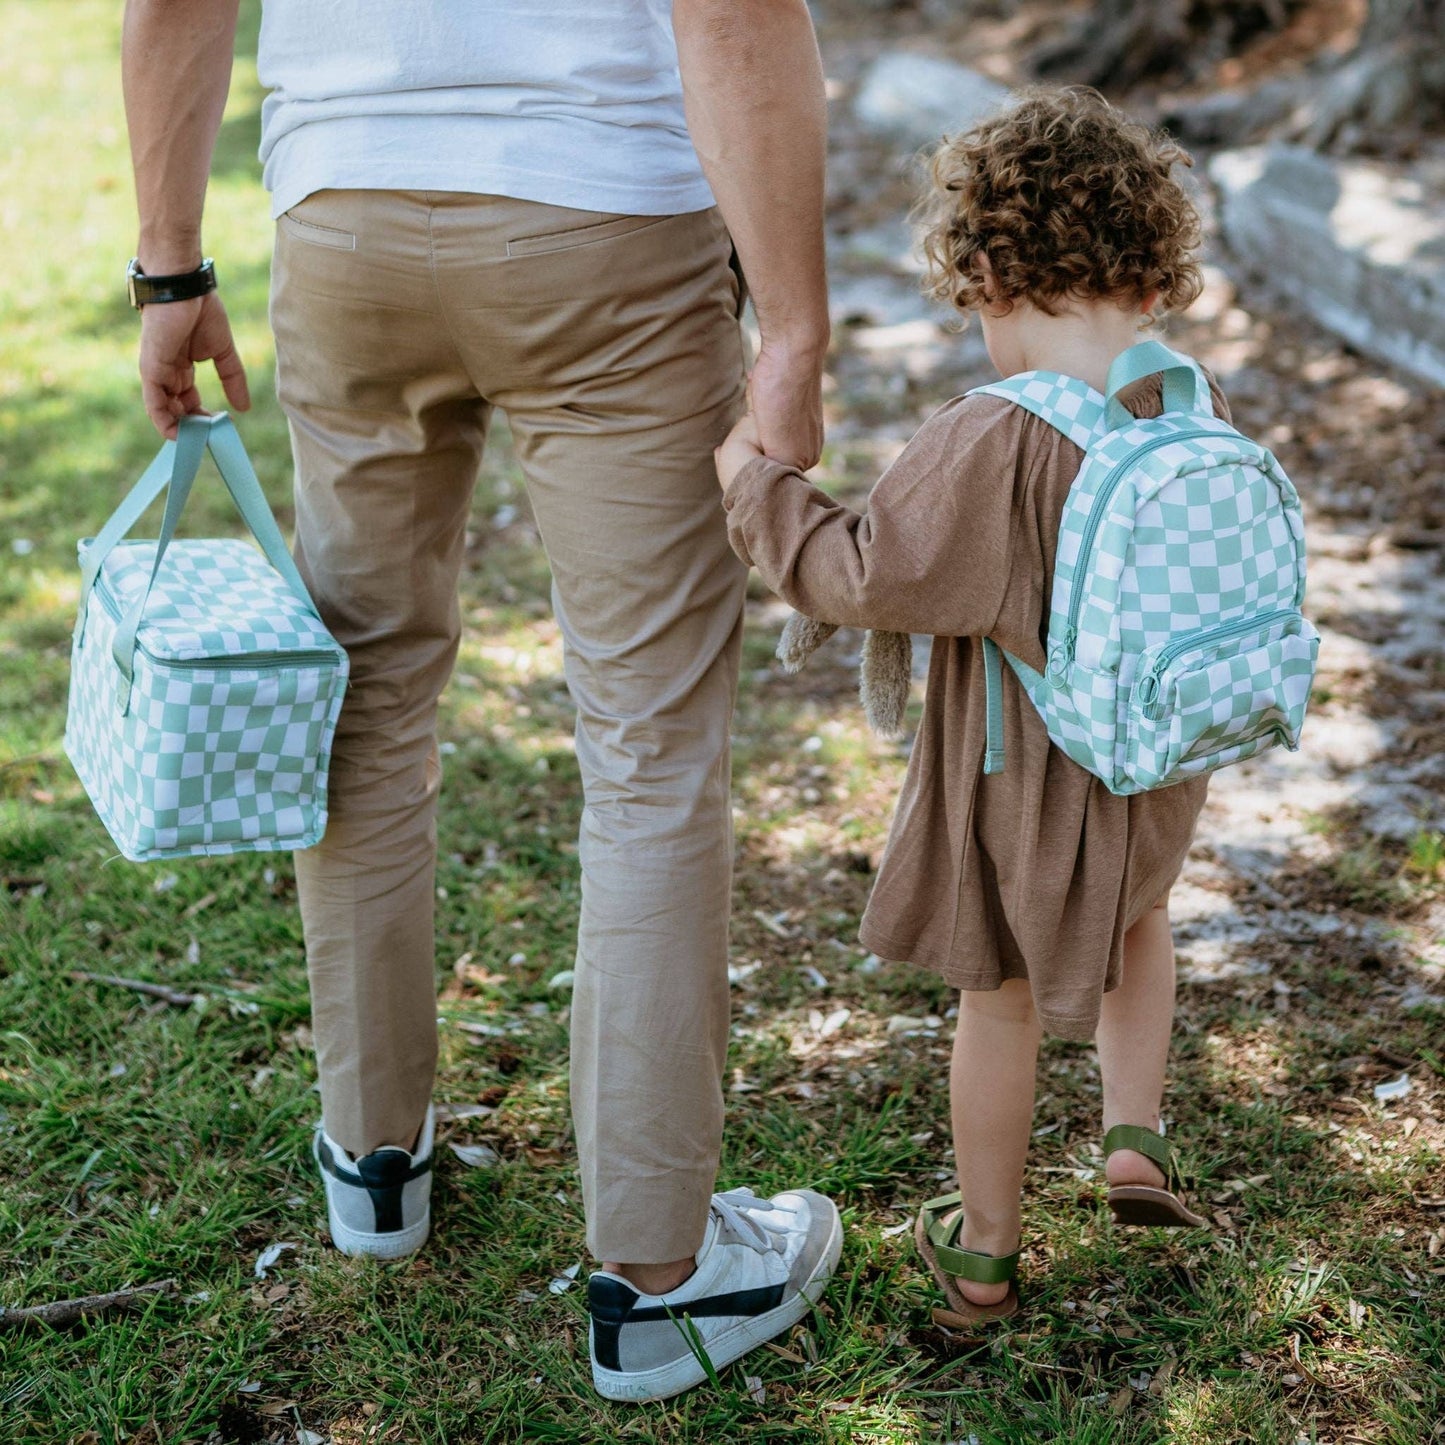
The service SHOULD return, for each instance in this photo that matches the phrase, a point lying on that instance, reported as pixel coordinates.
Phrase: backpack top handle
(1185, 388)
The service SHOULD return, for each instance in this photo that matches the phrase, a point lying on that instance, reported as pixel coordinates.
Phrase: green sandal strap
(1141, 1141)
(966, 1264)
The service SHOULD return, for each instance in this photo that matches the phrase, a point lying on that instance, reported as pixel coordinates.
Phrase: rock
(880, 300)
(887, 247)
(919, 98)
(1357, 245)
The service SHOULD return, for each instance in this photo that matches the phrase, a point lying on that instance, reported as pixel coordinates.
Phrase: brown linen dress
(1036, 872)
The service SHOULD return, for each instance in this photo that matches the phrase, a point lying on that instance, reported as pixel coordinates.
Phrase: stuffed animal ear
(801, 638)
(885, 679)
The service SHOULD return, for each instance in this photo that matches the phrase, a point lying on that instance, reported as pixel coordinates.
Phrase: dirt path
(1329, 849)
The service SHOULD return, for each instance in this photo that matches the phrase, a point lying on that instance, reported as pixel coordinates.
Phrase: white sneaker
(761, 1268)
(380, 1204)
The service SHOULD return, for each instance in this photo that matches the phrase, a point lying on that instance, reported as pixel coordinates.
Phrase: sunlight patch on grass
(45, 595)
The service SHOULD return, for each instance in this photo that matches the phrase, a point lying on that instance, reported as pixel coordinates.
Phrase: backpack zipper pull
(1061, 657)
(1147, 690)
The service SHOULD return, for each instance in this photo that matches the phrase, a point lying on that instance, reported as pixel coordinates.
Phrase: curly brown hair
(1067, 198)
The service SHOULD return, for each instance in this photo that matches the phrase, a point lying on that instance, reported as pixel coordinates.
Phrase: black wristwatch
(145, 290)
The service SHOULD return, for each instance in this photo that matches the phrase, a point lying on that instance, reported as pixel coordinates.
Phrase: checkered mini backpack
(204, 687)
(1176, 643)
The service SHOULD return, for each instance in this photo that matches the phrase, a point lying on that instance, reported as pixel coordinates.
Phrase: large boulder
(918, 98)
(1358, 246)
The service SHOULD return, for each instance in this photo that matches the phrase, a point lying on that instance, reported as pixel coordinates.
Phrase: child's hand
(740, 447)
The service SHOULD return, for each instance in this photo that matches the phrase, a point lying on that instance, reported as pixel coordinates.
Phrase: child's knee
(1011, 1003)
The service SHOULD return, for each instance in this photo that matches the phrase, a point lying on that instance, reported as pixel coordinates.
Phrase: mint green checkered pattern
(1178, 578)
(224, 741)
(1227, 703)
(213, 599)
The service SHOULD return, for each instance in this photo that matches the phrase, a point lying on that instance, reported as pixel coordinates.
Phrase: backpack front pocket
(1218, 696)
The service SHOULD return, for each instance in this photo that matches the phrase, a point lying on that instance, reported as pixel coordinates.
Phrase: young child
(1036, 891)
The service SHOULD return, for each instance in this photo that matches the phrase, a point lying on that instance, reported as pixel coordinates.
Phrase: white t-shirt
(572, 102)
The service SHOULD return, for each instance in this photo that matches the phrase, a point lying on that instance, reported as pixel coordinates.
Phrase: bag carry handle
(174, 471)
(1185, 388)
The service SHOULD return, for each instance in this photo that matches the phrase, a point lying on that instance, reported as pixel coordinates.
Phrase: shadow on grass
(1276, 1284)
(1302, 1302)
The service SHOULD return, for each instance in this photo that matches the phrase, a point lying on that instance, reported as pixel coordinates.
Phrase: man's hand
(176, 70)
(174, 336)
(786, 396)
(739, 448)
(752, 82)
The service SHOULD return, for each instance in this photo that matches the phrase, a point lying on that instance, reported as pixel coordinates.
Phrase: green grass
(140, 1142)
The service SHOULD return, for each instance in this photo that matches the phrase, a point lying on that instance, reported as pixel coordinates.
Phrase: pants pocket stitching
(310, 232)
(570, 240)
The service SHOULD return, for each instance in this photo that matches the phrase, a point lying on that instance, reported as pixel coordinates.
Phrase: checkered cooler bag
(1176, 642)
(204, 688)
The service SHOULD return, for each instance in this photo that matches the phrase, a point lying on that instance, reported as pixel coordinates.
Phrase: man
(504, 203)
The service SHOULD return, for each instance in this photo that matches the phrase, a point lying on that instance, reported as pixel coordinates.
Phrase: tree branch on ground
(1383, 94)
(1119, 43)
(64, 1312)
(178, 997)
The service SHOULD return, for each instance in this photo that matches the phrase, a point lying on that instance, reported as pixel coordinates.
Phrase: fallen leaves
(454, 1113)
(269, 1257)
(565, 1280)
(475, 1156)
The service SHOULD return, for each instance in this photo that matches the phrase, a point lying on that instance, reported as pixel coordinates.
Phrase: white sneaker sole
(731, 1344)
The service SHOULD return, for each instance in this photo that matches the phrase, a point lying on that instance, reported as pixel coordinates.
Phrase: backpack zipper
(1095, 519)
(1147, 688)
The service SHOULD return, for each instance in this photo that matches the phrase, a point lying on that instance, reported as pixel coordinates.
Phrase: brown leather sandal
(935, 1233)
(1138, 1203)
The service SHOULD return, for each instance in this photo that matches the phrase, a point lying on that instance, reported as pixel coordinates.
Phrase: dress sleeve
(931, 554)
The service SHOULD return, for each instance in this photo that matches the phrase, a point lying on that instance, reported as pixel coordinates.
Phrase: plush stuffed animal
(885, 674)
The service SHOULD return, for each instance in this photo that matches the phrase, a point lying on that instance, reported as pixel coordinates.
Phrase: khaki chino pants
(612, 344)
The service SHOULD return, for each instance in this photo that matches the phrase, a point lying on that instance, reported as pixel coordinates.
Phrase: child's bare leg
(1133, 1041)
(995, 1053)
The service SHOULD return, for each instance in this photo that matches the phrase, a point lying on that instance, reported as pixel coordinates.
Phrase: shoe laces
(739, 1227)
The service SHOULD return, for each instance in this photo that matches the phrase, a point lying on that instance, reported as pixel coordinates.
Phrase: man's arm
(176, 71)
(752, 81)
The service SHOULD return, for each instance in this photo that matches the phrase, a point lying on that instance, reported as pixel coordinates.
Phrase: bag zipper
(1147, 688)
(1095, 519)
(253, 661)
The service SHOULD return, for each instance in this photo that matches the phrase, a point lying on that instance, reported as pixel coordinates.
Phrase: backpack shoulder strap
(1074, 408)
(993, 703)
(1033, 684)
(1069, 405)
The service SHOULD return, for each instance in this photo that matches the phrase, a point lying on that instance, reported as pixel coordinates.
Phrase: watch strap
(184, 286)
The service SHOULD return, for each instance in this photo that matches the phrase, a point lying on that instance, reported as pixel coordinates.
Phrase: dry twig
(179, 997)
(64, 1312)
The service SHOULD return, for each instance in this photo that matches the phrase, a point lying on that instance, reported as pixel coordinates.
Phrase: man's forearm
(176, 69)
(753, 84)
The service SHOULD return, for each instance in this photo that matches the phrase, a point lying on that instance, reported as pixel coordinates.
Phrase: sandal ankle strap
(1141, 1141)
(967, 1264)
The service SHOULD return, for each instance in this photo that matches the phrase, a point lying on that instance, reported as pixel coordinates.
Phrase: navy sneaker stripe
(739, 1302)
(612, 1304)
(328, 1162)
